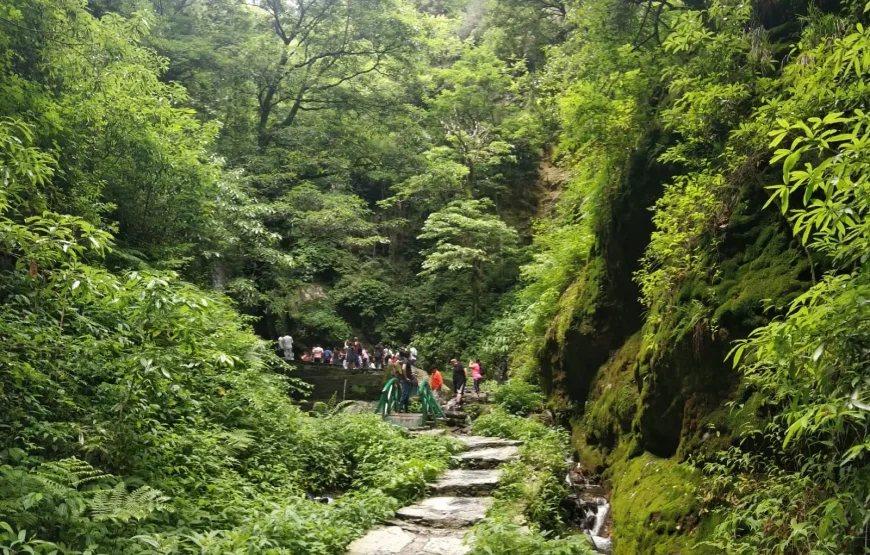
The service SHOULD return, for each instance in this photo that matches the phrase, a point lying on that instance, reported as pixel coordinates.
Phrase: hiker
(317, 354)
(458, 380)
(502, 369)
(349, 356)
(305, 357)
(364, 358)
(435, 380)
(357, 352)
(285, 343)
(413, 352)
(337, 356)
(409, 381)
(379, 356)
(476, 375)
(327, 355)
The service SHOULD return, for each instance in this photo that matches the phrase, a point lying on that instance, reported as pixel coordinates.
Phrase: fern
(61, 476)
(59, 481)
(117, 504)
(331, 407)
(236, 441)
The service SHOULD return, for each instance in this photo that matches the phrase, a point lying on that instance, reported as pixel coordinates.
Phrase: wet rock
(479, 442)
(467, 483)
(386, 540)
(446, 512)
(488, 457)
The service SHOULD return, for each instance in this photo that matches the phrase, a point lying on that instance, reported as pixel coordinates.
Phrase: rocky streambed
(589, 508)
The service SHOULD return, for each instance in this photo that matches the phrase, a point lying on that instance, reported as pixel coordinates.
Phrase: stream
(589, 508)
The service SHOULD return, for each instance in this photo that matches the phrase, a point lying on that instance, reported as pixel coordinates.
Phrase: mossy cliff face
(649, 399)
(600, 309)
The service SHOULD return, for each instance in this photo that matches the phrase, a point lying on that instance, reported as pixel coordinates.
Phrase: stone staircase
(437, 525)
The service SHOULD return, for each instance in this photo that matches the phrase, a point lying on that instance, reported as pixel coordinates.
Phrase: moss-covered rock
(761, 265)
(652, 390)
(612, 401)
(709, 428)
(654, 507)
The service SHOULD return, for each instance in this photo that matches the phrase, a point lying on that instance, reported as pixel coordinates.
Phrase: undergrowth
(527, 516)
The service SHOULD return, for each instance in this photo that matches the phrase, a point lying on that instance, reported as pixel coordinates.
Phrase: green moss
(765, 268)
(708, 430)
(613, 400)
(577, 305)
(655, 507)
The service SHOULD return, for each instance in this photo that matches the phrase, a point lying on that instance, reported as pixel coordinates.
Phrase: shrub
(518, 397)
(501, 535)
(531, 486)
(499, 423)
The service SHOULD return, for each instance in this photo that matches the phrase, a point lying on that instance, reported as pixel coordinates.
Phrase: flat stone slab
(471, 398)
(384, 540)
(487, 457)
(452, 544)
(429, 432)
(446, 512)
(466, 483)
(475, 442)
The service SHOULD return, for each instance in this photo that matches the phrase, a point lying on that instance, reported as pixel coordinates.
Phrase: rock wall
(645, 399)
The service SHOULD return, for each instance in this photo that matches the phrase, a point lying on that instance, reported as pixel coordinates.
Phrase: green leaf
(789, 163)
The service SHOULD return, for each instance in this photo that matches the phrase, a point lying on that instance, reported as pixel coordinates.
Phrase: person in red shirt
(435, 380)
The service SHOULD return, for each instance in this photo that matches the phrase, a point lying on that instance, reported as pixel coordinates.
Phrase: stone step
(455, 418)
(446, 512)
(454, 414)
(471, 398)
(429, 432)
(466, 483)
(395, 540)
(487, 457)
(479, 442)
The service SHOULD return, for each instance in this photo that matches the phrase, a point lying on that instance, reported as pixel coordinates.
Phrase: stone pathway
(438, 524)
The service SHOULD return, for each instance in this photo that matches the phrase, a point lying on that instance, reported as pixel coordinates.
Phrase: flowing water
(590, 508)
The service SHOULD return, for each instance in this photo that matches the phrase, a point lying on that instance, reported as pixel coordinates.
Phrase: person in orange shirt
(435, 380)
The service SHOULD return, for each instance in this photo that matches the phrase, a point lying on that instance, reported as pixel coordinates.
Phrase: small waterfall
(600, 513)
(590, 508)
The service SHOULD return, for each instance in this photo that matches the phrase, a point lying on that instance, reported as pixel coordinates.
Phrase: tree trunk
(469, 182)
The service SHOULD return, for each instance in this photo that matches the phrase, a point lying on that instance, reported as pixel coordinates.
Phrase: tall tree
(318, 53)
(467, 240)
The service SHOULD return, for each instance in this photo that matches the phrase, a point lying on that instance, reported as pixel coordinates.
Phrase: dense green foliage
(615, 193)
(531, 491)
(744, 122)
(140, 413)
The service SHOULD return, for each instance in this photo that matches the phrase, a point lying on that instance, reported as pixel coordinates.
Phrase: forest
(654, 209)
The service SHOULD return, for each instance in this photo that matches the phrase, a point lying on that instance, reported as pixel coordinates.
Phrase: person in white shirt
(285, 343)
(317, 354)
(413, 356)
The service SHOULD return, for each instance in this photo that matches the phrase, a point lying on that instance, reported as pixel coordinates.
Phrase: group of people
(354, 356)
(404, 364)
(460, 378)
(436, 380)
(351, 357)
